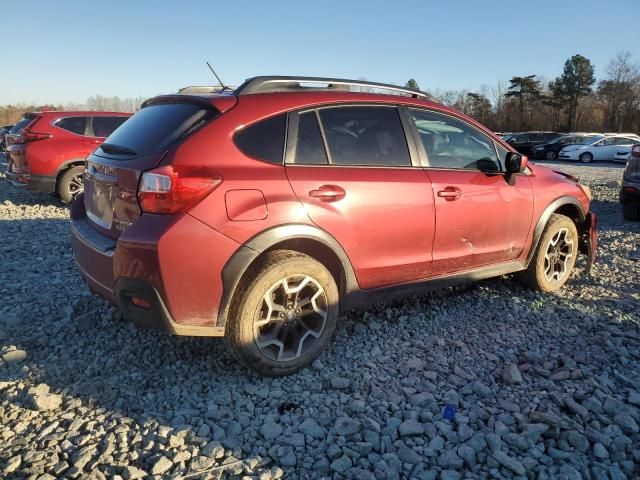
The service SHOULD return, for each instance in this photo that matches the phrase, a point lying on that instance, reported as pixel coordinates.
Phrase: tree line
(10, 114)
(571, 102)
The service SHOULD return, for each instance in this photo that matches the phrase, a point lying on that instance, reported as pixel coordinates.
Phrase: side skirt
(364, 298)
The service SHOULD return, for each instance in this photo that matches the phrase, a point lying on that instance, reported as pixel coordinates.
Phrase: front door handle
(328, 193)
(450, 193)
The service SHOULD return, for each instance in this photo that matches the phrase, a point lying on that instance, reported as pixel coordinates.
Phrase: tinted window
(263, 140)
(17, 128)
(105, 126)
(451, 143)
(624, 141)
(75, 125)
(154, 128)
(365, 136)
(608, 141)
(309, 145)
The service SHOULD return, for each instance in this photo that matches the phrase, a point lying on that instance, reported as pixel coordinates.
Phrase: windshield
(590, 140)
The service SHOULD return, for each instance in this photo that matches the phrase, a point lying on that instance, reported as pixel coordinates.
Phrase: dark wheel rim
(557, 257)
(76, 185)
(291, 318)
(586, 157)
(551, 155)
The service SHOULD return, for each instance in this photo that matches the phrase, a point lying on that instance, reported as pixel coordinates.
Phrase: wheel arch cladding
(306, 239)
(568, 206)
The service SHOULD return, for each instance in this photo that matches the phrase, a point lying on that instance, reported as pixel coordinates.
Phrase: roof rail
(271, 84)
(202, 89)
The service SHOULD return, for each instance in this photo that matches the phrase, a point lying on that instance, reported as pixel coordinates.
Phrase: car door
(605, 149)
(481, 219)
(623, 146)
(352, 169)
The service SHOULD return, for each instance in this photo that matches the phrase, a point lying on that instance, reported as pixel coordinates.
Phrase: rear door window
(371, 136)
(156, 127)
(75, 125)
(309, 145)
(264, 140)
(105, 126)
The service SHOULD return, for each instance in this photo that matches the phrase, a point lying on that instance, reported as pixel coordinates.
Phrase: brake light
(635, 151)
(174, 189)
(27, 137)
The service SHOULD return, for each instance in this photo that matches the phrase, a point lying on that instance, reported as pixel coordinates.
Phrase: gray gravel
(543, 386)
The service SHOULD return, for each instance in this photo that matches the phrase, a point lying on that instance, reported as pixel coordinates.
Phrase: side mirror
(515, 163)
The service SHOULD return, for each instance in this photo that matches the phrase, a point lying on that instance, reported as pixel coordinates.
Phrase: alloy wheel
(551, 155)
(558, 255)
(76, 185)
(291, 318)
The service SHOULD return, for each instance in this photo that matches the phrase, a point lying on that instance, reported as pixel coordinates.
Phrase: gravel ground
(484, 381)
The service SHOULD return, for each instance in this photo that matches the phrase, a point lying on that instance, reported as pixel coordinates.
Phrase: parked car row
(583, 147)
(3, 132)
(46, 150)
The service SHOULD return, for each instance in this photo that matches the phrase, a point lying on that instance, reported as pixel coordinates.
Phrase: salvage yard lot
(84, 394)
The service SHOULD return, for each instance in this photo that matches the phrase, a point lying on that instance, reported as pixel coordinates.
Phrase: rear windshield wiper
(116, 149)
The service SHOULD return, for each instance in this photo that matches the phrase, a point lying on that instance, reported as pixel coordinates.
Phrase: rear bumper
(151, 262)
(630, 192)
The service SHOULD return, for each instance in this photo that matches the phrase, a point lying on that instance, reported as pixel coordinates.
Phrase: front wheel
(555, 256)
(586, 157)
(71, 184)
(284, 315)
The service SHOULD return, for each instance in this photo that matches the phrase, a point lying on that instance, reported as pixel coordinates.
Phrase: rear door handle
(450, 193)
(328, 193)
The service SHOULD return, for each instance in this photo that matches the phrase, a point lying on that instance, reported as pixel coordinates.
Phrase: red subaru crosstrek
(46, 150)
(258, 214)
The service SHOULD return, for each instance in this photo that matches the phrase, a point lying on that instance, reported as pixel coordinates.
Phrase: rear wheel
(550, 155)
(586, 157)
(284, 315)
(631, 210)
(71, 184)
(555, 256)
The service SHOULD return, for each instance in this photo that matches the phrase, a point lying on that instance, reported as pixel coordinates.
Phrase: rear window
(75, 125)
(264, 140)
(17, 128)
(105, 126)
(156, 127)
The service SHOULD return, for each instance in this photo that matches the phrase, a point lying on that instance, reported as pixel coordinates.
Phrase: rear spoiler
(219, 102)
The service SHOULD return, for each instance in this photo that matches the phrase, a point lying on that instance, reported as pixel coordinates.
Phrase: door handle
(450, 193)
(328, 193)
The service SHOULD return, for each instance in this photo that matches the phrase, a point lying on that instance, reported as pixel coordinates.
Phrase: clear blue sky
(59, 51)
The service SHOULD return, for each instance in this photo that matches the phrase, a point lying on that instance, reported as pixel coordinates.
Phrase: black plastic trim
(544, 218)
(156, 317)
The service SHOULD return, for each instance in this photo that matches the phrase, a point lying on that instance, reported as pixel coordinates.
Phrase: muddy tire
(284, 314)
(555, 256)
(71, 184)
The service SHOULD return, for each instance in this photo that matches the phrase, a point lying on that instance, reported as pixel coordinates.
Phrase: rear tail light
(174, 189)
(27, 137)
(635, 151)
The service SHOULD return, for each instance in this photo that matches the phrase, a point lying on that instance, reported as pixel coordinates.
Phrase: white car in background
(599, 148)
(624, 154)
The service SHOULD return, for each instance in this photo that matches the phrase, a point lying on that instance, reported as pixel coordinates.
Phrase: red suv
(259, 214)
(46, 150)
